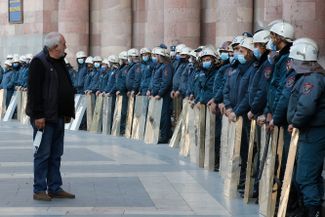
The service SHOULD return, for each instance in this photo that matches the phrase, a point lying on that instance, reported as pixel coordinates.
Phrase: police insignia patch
(290, 81)
(307, 88)
(267, 72)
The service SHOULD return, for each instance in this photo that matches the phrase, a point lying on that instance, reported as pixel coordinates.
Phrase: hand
(210, 102)
(138, 94)
(232, 117)
(228, 111)
(250, 115)
(177, 94)
(128, 93)
(97, 93)
(198, 105)
(191, 97)
(222, 108)
(269, 117)
(172, 94)
(132, 93)
(157, 97)
(40, 123)
(290, 128)
(148, 93)
(118, 93)
(261, 120)
(270, 127)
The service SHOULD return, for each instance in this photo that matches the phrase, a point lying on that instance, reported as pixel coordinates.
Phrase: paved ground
(112, 176)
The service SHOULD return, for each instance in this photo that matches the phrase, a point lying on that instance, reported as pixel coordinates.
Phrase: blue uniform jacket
(146, 74)
(7, 80)
(177, 76)
(121, 79)
(219, 82)
(184, 79)
(80, 77)
(162, 80)
(206, 92)
(103, 79)
(111, 84)
(307, 101)
(133, 77)
(236, 88)
(257, 90)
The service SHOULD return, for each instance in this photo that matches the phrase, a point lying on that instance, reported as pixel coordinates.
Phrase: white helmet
(193, 54)
(160, 51)
(29, 56)
(207, 52)
(80, 54)
(237, 40)
(8, 63)
(145, 50)
(105, 61)
(113, 59)
(179, 48)
(9, 57)
(23, 59)
(89, 60)
(133, 52)
(97, 59)
(284, 29)
(304, 49)
(15, 59)
(123, 55)
(262, 36)
(186, 51)
(248, 43)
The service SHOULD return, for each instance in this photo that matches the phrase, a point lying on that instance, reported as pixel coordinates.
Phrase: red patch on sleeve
(307, 88)
(290, 81)
(267, 72)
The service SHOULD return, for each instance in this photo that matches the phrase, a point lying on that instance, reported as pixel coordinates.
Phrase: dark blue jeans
(47, 159)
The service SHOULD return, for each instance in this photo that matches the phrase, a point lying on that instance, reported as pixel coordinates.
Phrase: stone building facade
(104, 27)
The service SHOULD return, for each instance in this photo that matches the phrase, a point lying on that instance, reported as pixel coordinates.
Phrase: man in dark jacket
(50, 104)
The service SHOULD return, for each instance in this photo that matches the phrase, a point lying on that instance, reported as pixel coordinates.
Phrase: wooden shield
(77, 99)
(200, 128)
(107, 115)
(177, 134)
(19, 105)
(249, 182)
(140, 116)
(224, 145)
(3, 96)
(184, 144)
(153, 121)
(285, 190)
(11, 108)
(97, 116)
(129, 120)
(24, 117)
(80, 112)
(90, 99)
(262, 181)
(209, 157)
(116, 128)
(232, 172)
(192, 134)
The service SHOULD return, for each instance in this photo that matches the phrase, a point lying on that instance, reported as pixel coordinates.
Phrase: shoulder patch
(290, 81)
(307, 88)
(267, 72)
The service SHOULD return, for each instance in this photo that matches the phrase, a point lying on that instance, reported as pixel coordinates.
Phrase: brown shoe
(62, 194)
(41, 196)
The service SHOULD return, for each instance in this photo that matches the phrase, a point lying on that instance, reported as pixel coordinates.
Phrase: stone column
(224, 19)
(308, 18)
(182, 22)
(265, 11)
(115, 26)
(138, 23)
(73, 23)
(154, 27)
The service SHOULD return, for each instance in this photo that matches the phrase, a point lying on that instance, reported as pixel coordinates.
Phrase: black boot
(313, 211)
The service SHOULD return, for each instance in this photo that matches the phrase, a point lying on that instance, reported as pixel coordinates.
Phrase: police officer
(92, 77)
(121, 87)
(133, 78)
(236, 98)
(1, 73)
(193, 70)
(6, 81)
(306, 112)
(22, 73)
(82, 71)
(146, 70)
(176, 60)
(185, 55)
(103, 77)
(160, 89)
(72, 72)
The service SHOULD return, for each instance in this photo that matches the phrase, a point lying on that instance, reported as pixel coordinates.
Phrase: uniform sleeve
(166, 80)
(311, 89)
(137, 79)
(226, 92)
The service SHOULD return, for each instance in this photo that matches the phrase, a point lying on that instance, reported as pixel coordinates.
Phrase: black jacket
(50, 90)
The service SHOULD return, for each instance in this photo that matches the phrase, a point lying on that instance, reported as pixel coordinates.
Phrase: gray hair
(52, 39)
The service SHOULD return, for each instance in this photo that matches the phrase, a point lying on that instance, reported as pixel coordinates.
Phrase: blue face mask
(97, 65)
(178, 57)
(273, 46)
(103, 67)
(206, 64)
(80, 61)
(15, 65)
(232, 60)
(257, 53)
(224, 56)
(241, 58)
(145, 58)
(154, 59)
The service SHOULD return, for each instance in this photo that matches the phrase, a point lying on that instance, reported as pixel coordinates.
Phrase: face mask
(103, 67)
(154, 59)
(206, 64)
(257, 53)
(145, 58)
(273, 46)
(97, 65)
(130, 60)
(15, 65)
(224, 56)
(80, 61)
(241, 59)
(178, 57)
